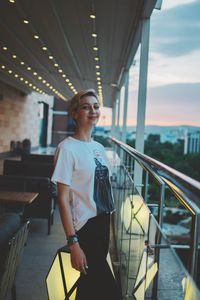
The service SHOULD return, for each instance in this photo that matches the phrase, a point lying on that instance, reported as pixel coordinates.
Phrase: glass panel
(176, 220)
(172, 281)
(134, 216)
(149, 266)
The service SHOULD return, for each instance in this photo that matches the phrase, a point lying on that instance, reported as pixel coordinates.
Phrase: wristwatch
(72, 239)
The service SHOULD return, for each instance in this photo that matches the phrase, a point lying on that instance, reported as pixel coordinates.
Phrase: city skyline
(173, 96)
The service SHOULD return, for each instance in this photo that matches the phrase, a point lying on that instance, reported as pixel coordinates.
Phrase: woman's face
(88, 112)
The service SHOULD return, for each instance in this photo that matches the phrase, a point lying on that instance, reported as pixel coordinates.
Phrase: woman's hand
(78, 258)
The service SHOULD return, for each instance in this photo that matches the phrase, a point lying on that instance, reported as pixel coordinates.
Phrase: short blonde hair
(76, 99)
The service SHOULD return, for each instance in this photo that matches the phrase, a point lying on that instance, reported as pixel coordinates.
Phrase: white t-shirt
(75, 166)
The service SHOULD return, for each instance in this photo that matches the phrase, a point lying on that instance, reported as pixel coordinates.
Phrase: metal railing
(185, 190)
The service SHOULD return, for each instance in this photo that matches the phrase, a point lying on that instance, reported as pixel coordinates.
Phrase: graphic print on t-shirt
(98, 155)
(102, 189)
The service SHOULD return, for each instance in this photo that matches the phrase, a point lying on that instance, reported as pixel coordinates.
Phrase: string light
(28, 68)
(96, 58)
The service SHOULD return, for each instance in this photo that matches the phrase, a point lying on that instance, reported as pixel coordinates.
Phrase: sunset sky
(174, 68)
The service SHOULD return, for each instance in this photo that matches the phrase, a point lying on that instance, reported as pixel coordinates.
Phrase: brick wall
(19, 117)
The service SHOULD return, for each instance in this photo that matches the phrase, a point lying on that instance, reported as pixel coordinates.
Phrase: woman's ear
(74, 115)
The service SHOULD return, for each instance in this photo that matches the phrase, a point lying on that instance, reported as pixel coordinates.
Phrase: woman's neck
(83, 135)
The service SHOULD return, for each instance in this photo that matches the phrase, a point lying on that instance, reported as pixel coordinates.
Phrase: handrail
(185, 189)
(190, 187)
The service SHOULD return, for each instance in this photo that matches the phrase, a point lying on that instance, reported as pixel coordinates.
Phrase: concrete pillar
(125, 108)
(113, 128)
(118, 114)
(142, 97)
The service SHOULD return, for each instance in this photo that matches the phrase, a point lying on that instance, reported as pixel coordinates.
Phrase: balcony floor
(37, 258)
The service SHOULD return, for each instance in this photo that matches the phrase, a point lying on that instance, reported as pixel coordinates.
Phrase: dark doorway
(44, 111)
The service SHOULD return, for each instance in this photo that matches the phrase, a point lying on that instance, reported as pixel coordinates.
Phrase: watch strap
(72, 239)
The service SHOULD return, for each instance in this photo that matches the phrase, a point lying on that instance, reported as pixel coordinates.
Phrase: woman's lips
(92, 117)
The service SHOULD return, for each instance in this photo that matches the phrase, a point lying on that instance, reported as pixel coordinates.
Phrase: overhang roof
(63, 53)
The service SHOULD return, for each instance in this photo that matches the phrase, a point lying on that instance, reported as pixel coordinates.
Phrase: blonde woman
(85, 200)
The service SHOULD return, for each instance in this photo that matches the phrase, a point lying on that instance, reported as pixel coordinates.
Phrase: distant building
(192, 142)
(171, 137)
(100, 131)
(131, 135)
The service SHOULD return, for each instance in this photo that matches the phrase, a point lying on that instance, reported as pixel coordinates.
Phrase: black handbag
(103, 196)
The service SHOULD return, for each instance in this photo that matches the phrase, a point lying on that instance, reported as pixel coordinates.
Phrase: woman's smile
(93, 117)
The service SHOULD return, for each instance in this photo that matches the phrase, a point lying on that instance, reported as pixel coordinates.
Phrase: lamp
(135, 215)
(62, 279)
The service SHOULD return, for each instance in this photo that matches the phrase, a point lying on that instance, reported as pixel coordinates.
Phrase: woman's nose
(92, 108)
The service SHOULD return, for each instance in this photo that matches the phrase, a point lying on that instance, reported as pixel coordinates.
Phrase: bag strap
(97, 162)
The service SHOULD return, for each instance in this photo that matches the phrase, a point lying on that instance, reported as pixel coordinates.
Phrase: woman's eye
(87, 107)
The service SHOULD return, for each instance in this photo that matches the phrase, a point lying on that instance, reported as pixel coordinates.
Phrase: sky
(173, 96)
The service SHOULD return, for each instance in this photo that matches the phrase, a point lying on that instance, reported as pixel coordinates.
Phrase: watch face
(72, 240)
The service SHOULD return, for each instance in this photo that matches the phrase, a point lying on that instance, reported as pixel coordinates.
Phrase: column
(113, 118)
(140, 127)
(125, 107)
(118, 114)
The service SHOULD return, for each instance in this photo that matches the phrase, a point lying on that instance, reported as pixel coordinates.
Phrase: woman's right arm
(78, 258)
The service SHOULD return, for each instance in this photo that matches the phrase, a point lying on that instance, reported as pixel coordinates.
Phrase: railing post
(161, 204)
(158, 236)
(146, 187)
(156, 259)
(129, 254)
(193, 261)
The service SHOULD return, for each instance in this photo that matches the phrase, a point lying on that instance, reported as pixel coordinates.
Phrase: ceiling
(47, 45)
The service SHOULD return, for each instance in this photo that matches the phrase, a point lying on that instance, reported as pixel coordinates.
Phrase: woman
(85, 200)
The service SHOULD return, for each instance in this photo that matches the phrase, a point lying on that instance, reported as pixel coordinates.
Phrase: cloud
(174, 104)
(181, 94)
(169, 70)
(172, 3)
(176, 31)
